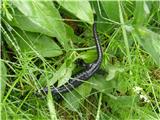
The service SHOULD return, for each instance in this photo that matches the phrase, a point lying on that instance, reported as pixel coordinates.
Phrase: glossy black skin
(83, 76)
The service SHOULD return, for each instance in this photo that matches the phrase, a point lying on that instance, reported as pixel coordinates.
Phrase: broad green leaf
(84, 89)
(75, 98)
(72, 101)
(111, 9)
(122, 104)
(39, 16)
(103, 25)
(150, 42)
(108, 80)
(112, 70)
(89, 55)
(62, 75)
(3, 78)
(81, 9)
(46, 76)
(122, 101)
(34, 44)
(99, 83)
(141, 13)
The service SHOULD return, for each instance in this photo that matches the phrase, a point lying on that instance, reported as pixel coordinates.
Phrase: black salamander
(78, 79)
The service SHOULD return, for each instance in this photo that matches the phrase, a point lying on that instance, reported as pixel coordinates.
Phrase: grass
(129, 88)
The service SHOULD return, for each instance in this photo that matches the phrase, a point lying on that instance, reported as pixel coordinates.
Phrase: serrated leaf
(39, 16)
(150, 42)
(81, 9)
